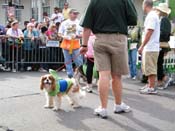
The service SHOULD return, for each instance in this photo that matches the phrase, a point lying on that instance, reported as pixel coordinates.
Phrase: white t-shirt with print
(14, 33)
(59, 19)
(64, 27)
(152, 22)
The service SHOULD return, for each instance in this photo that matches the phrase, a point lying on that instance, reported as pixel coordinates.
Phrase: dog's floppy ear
(53, 87)
(42, 83)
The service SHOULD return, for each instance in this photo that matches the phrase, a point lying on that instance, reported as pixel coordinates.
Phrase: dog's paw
(56, 109)
(48, 106)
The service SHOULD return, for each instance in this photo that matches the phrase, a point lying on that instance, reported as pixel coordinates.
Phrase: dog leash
(60, 68)
(68, 62)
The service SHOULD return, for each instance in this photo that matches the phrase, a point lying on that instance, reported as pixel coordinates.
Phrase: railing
(20, 53)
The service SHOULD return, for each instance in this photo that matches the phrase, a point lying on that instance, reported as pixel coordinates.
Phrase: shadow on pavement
(77, 118)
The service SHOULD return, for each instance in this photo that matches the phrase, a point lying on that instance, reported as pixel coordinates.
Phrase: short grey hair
(148, 3)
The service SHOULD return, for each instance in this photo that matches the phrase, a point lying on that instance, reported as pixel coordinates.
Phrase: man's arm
(86, 34)
(147, 38)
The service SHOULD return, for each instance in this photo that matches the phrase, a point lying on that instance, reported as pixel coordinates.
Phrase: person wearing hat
(14, 31)
(15, 39)
(165, 32)
(70, 31)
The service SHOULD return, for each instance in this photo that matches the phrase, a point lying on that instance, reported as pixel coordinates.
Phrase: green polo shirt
(109, 16)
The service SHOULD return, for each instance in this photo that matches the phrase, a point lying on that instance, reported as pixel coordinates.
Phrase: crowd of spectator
(32, 31)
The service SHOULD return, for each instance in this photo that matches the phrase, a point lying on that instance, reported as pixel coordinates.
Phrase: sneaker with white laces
(102, 112)
(122, 108)
(142, 88)
(148, 90)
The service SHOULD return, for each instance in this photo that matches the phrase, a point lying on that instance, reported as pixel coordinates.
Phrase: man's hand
(140, 50)
(86, 34)
(83, 50)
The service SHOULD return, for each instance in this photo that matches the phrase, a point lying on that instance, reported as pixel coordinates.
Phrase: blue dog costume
(62, 85)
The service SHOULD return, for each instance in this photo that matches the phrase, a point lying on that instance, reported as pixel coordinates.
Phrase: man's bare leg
(117, 88)
(103, 87)
(151, 80)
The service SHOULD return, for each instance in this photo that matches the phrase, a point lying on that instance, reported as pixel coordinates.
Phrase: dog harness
(61, 87)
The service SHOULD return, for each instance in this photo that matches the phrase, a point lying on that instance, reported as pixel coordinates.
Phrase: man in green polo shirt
(108, 20)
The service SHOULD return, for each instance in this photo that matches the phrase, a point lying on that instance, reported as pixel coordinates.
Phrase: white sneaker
(121, 108)
(134, 78)
(148, 90)
(29, 68)
(102, 112)
(88, 88)
(142, 88)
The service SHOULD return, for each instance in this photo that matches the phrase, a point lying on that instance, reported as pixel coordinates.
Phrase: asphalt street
(21, 108)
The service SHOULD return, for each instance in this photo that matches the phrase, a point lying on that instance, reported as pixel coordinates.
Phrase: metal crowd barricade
(169, 68)
(21, 53)
(7, 52)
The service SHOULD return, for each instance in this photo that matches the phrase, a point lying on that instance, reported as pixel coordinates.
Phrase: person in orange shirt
(70, 31)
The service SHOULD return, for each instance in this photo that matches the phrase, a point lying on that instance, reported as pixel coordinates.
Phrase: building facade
(35, 8)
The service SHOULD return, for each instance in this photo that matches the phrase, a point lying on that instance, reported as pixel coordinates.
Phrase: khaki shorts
(111, 53)
(149, 63)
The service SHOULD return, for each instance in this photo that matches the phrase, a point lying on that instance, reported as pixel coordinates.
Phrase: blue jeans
(67, 58)
(132, 62)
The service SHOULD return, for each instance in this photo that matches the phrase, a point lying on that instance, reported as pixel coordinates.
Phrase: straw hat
(163, 7)
(14, 22)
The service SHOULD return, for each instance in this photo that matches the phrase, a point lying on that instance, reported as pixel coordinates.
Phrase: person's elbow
(150, 32)
(86, 29)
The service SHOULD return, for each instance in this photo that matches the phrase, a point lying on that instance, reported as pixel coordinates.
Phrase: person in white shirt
(57, 17)
(15, 40)
(14, 31)
(150, 47)
(71, 32)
